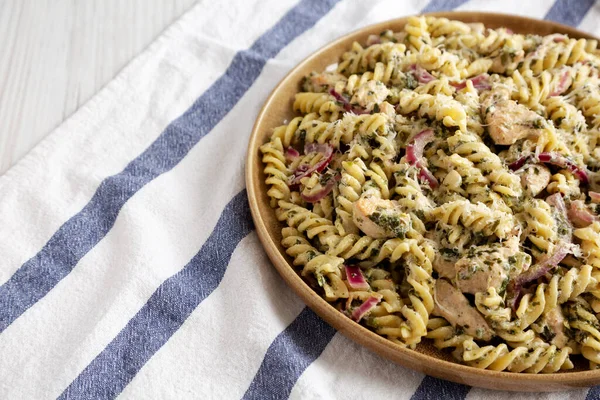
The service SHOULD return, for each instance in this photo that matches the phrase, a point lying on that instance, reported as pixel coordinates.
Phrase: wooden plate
(425, 358)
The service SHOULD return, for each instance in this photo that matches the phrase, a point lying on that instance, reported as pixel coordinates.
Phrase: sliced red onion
(515, 295)
(414, 155)
(558, 38)
(317, 148)
(414, 149)
(365, 308)
(579, 215)
(421, 74)
(373, 39)
(346, 104)
(563, 84)
(339, 97)
(291, 153)
(459, 85)
(554, 159)
(426, 175)
(556, 201)
(519, 163)
(324, 191)
(545, 265)
(355, 277)
(537, 271)
(301, 169)
(480, 82)
(305, 170)
(595, 196)
(563, 162)
(509, 31)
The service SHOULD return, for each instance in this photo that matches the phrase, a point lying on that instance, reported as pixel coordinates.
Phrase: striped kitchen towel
(129, 262)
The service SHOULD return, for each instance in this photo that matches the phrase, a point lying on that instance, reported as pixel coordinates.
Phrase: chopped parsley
(391, 222)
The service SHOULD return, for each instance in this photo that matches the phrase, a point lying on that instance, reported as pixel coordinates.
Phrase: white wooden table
(56, 54)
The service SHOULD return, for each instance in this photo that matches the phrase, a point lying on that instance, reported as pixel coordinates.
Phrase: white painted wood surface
(56, 54)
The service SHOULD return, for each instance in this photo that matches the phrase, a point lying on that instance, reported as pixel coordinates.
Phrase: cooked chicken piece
(499, 93)
(400, 36)
(476, 27)
(518, 261)
(554, 328)
(491, 266)
(444, 266)
(478, 273)
(387, 109)
(507, 61)
(507, 120)
(562, 86)
(453, 180)
(451, 304)
(380, 218)
(369, 94)
(580, 214)
(535, 178)
(322, 82)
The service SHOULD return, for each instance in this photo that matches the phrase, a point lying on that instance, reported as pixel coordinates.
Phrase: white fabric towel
(129, 262)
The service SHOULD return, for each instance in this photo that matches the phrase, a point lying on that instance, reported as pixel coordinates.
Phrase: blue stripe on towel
(289, 355)
(593, 394)
(433, 388)
(85, 229)
(442, 5)
(166, 310)
(569, 12)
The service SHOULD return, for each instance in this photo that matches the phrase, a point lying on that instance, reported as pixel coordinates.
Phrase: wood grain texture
(56, 54)
(425, 358)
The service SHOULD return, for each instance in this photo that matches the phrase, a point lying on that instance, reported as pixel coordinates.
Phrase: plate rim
(409, 358)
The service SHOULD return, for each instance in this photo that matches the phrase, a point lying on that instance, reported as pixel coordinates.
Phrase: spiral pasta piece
(534, 90)
(586, 329)
(322, 103)
(565, 183)
(417, 32)
(359, 59)
(491, 305)
(386, 317)
(540, 227)
(325, 269)
(350, 188)
(565, 115)
(445, 27)
(445, 336)
(408, 192)
(499, 358)
(473, 149)
(552, 54)
(590, 243)
(276, 171)
(305, 221)
(287, 133)
(437, 86)
(440, 107)
(568, 287)
(476, 217)
(587, 99)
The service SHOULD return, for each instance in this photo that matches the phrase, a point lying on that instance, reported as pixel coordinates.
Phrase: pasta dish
(441, 183)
